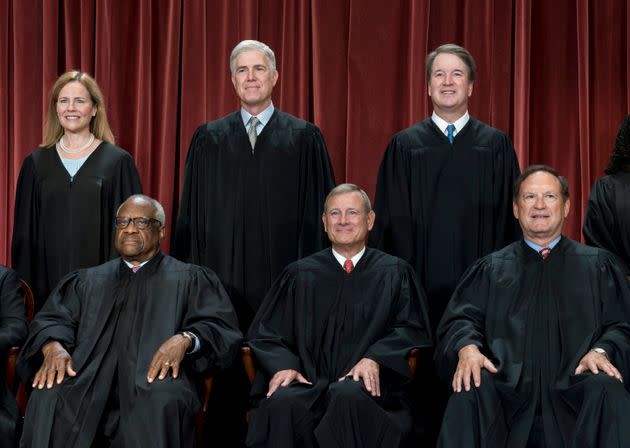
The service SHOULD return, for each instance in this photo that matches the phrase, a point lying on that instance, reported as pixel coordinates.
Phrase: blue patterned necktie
(450, 129)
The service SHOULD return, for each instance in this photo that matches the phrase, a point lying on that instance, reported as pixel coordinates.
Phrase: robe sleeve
(316, 180)
(614, 295)
(25, 223)
(271, 335)
(183, 245)
(212, 318)
(57, 320)
(12, 311)
(463, 322)
(393, 230)
(409, 326)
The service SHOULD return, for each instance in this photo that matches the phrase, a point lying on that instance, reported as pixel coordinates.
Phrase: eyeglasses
(140, 222)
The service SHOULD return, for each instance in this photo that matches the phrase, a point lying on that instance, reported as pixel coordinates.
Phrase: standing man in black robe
(113, 353)
(254, 185)
(536, 338)
(443, 197)
(332, 339)
(12, 333)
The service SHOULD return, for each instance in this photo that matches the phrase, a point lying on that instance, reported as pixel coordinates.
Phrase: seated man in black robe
(113, 353)
(332, 338)
(535, 339)
(12, 333)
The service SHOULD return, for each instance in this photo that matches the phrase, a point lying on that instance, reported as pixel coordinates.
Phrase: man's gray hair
(349, 188)
(252, 45)
(158, 210)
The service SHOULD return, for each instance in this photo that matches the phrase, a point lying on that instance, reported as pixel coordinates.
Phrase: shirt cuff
(196, 345)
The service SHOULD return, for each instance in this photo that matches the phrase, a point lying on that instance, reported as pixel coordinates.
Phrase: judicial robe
(440, 206)
(247, 215)
(112, 322)
(607, 216)
(65, 223)
(535, 319)
(12, 333)
(321, 321)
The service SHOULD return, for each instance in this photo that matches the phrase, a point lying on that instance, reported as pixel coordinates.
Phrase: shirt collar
(442, 124)
(263, 117)
(131, 266)
(341, 259)
(537, 247)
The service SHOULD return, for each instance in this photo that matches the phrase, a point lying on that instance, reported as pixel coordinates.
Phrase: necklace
(64, 148)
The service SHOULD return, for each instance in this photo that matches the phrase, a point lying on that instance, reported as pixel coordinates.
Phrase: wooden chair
(200, 418)
(29, 302)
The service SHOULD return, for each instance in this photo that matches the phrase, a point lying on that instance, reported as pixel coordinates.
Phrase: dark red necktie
(544, 252)
(348, 266)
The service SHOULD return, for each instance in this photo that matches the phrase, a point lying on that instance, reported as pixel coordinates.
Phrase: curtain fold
(554, 75)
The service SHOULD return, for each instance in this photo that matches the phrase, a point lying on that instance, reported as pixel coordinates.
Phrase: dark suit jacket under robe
(112, 321)
(535, 319)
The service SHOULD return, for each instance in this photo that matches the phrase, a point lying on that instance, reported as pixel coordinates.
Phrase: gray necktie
(251, 131)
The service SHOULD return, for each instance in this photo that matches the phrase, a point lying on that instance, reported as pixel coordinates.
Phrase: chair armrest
(11, 359)
(412, 361)
(249, 363)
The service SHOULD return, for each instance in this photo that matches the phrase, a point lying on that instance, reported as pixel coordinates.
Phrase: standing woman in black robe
(607, 217)
(69, 188)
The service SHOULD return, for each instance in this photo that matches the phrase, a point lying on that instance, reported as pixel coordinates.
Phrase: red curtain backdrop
(554, 75)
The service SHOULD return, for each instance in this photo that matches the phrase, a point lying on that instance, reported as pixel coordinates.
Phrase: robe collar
(341, 259)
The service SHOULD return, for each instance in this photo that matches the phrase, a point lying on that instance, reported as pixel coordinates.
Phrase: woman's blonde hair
(99, 125)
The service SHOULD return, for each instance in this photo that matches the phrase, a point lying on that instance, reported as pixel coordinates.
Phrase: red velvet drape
(554, 75)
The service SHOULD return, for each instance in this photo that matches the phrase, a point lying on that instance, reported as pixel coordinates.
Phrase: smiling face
(75, 108)
(540, 208)
(347, 223)
(449, 86)
(253, 81)
(133, 244)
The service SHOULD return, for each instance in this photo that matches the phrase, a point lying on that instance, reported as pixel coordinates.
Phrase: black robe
(535, 319)
(112, 321)
(62, 223)
(246, 216)
(607, 216)
(440, 206)
(12, 333)
(321, 321)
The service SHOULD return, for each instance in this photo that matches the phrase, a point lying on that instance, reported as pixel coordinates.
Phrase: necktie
(135, 268)
(251, 131)
(450, 129)
(544, 252)
(348, 266)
